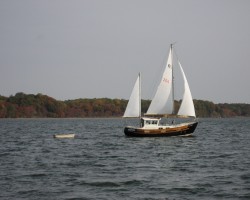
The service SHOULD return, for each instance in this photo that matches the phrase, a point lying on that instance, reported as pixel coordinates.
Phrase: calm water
(101, 163)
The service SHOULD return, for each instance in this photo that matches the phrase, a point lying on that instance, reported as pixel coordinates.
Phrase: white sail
(187, 105)
(162, 101)
(133, 108)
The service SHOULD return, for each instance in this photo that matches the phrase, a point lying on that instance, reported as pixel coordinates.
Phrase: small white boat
(71, 135)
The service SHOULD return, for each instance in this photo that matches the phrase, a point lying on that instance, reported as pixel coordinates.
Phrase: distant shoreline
(42, 106)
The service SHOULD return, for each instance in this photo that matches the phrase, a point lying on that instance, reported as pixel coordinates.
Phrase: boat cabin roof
(150, 119)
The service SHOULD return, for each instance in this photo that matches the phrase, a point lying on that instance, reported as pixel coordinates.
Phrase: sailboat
(162, 105)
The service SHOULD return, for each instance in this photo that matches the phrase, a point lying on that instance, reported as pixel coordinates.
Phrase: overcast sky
(95, 48)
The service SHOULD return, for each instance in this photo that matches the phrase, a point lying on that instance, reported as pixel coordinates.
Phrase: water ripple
(101, 163)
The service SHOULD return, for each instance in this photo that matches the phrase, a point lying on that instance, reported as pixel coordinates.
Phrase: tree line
(23, 105)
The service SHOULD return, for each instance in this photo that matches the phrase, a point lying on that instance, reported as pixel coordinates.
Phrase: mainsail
(134, 105)
(162, 102)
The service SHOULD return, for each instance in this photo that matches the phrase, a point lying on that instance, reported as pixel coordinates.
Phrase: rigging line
(175, 53)
(157, 76)
(177, 75)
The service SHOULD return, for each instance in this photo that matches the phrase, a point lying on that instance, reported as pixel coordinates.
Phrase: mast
(171, 49)
(140, 99)
(139, 95)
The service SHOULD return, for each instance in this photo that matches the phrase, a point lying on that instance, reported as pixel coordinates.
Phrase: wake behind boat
(162, 105)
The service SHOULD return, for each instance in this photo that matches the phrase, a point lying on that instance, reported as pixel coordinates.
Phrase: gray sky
(95, 48)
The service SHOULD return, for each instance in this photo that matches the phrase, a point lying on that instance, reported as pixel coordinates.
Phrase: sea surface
(102, 163)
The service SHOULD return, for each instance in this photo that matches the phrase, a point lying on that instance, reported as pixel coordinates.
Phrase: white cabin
(149, 122)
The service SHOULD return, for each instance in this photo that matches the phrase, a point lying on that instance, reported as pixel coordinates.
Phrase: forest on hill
(23, 105)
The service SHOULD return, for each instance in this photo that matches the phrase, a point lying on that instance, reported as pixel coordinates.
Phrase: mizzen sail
(133, 108)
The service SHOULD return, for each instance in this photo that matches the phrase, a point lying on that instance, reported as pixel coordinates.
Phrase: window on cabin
(142, 122)
(151, 122)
